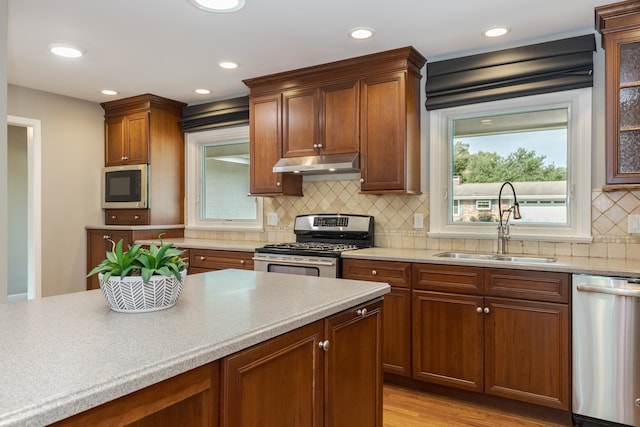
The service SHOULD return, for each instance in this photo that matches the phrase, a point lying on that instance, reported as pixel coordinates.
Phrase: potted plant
(140, 279)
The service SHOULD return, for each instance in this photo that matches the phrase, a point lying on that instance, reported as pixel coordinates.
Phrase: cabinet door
(353, 387)
(137, 138)
(299, 123)
(98, 243)
(339, 118)
(114, 140)
(527, 351)
(265, 149)
(276, 383)
(622, 84)
(448, 339)
(383, 132)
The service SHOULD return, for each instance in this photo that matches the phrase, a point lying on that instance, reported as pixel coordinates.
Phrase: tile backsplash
(394, 222)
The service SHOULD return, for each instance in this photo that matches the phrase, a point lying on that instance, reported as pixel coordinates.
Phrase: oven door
(291, 264)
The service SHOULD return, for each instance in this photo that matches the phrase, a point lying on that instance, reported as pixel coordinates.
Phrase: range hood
(318, 165)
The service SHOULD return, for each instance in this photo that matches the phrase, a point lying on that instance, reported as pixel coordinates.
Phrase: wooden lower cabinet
(517, 348)
(324, 374)
(396, 323)
(189, 399)
(203, 260)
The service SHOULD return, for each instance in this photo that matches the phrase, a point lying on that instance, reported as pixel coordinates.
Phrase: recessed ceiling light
(361, 33)
(66, 50)
(220, 6)
(109, 92)
(203, 91)
(228, 65)
(496, 32)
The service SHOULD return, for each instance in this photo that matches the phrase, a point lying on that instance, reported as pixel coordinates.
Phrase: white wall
(17, 199)
(4, 223)
(72, 160)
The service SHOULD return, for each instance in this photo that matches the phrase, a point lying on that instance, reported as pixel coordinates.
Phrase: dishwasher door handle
(627, 291)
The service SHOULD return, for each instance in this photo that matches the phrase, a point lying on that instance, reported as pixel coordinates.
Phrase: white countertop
(581, 265)
(62, 355)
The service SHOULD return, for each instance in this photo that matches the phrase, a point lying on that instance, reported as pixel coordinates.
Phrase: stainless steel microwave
(125, 187)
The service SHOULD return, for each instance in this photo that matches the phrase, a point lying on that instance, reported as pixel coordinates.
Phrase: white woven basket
(130, 295)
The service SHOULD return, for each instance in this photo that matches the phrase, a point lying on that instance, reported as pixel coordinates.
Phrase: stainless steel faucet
(503, 228)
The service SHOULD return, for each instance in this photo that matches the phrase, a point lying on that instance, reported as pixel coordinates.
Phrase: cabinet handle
(202, 258)
(374, 273)
(362, 312)
(242, 262)
(278, 184)
(324, 345)
(106, 237)
(486, 310)
(479, 309)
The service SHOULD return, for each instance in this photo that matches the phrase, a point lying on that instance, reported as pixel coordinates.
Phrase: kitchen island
(67, 354)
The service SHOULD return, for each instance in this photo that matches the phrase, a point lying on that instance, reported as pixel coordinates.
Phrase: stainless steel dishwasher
(606, 351)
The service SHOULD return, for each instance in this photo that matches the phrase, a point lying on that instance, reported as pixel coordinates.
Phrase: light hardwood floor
(404, 407)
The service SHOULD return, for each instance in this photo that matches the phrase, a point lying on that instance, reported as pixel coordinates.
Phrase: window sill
(234, 227)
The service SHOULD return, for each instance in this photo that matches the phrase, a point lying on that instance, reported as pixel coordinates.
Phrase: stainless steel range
(320, 241)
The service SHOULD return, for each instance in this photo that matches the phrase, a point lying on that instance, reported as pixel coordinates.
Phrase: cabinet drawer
(208, 260)
(526, 284)
(447, 278)
(394, 273)
(126, 216)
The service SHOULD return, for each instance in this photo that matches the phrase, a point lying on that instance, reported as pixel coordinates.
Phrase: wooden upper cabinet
(127, 139)
(368, 104)
(266, 147)
(619, 25)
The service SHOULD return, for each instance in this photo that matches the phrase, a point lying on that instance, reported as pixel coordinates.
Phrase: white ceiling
(169, 47)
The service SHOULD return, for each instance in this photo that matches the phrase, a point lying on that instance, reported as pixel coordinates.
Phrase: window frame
(578, 228)
(193, 181)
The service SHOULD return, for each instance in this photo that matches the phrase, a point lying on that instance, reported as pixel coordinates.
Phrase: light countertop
(580, 265)
(62, 355)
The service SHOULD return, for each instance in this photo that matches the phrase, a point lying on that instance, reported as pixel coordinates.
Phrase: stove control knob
(374, 273)
(362, 312)
(324, 345)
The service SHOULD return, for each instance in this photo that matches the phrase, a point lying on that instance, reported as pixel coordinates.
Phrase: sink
(495, 257)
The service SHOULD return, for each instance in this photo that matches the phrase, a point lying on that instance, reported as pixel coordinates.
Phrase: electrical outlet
(633, 224)
(418, 220)
(272, 218)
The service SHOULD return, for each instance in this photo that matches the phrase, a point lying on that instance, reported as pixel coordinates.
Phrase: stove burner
(313, 246)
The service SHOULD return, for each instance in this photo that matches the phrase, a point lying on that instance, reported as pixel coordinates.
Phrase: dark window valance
(509, 73)
(217, 114)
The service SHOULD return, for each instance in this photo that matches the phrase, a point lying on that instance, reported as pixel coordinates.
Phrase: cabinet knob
(106, 237)
(486, 310)
(136, 217)
(278, 184)
(374, 273)
(320, 146)
(242, 262)
(361, 180)
(202, 258)
(638, 401)
(315, 145)
(114, 216)
(324, 345)
(362, 312)
(479, 309)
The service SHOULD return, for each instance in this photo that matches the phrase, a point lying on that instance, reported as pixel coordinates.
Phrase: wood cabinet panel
(397, 274)
(353, 367)
(126, 216)
(527, 351)
(187, 399)
(299, 122)
(448, 278)
(259, 383)
(201, 260)
(448, 339)
(396, 330)
(266, 148)
(339, 118)
(530, 285)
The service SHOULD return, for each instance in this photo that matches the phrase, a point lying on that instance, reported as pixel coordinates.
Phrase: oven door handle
(294, 261)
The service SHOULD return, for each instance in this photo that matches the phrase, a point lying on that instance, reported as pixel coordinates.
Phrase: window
(218, 181)
(541, 144)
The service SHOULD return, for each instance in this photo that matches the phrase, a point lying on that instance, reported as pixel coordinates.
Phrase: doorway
(29, 232)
